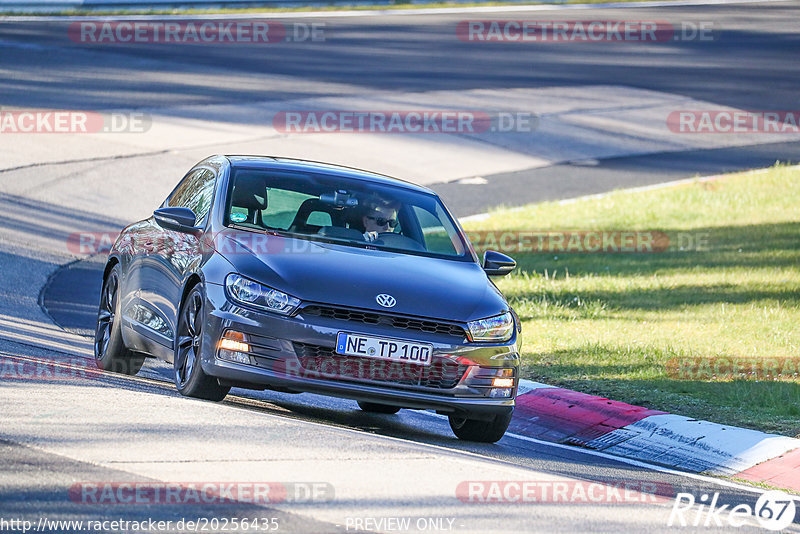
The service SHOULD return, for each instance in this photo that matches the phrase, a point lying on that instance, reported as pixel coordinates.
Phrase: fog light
(238, 357)
(503, 383)
(500, 393)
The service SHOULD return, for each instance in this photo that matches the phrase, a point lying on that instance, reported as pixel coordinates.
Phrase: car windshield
(342, 210)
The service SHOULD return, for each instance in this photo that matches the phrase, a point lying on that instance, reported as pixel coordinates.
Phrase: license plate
(383, 348)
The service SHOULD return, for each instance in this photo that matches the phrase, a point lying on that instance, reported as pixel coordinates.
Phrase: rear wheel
(373, 407)
(110, 353)
(481, 431)
(190, 379)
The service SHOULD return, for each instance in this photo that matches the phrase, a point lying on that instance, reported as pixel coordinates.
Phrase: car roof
(287, 164)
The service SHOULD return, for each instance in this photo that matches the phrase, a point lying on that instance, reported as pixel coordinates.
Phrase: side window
(195, 192)
(437, 238)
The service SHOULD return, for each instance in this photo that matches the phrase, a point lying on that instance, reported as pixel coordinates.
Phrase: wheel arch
(112, 261)
(191, 282)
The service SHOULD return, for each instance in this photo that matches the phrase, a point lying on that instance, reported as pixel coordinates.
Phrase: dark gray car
(297, 276)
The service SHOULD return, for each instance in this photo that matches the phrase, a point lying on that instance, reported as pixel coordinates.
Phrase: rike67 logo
(774, 510)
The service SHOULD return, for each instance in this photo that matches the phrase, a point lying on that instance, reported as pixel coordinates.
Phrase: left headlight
(497, 328)
(245, 291)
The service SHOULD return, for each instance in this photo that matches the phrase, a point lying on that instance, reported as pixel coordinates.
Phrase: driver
(379, 216)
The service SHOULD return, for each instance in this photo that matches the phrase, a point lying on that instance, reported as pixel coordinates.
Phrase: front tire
(110, 352)
(190, 379)
(373, 407)
(480, 431)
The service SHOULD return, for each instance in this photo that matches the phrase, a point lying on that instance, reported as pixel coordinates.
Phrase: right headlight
(245, 291)
(497, 328)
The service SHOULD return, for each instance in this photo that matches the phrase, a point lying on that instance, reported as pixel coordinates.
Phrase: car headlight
(245, 291)
(497, 328)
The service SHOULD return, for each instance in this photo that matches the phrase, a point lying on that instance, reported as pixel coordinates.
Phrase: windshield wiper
(310, 237)
(268, 230)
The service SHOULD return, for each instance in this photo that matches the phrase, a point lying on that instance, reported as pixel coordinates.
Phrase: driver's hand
(370, 236)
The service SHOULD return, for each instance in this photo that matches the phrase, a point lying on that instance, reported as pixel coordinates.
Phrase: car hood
(353, 277)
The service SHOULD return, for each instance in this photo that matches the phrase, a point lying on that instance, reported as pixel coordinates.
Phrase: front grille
(322, 362)
(393, 321)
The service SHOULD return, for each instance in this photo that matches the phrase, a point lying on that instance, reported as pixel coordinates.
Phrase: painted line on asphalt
(390, 12)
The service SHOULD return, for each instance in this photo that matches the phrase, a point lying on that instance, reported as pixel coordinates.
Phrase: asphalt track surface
(750, 63)
(751, 67)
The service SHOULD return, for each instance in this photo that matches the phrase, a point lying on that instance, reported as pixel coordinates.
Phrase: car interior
(333, 214)
(313, 205)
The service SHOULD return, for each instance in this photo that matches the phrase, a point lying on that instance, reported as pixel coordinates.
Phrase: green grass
(332, 6)
(608, 323)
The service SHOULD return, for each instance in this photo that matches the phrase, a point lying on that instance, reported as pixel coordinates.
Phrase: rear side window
(195, 192)
(282, 205)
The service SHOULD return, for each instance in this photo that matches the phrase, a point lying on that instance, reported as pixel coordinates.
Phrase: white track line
(387, 12)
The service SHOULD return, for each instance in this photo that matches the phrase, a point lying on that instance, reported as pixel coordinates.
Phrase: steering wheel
(394, 240)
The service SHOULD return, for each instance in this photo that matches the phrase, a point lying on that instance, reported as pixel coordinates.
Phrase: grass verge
(661, 329)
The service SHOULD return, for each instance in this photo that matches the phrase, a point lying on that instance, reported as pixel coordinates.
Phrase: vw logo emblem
(387, 301)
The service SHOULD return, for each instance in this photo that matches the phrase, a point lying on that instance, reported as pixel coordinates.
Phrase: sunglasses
(380, 221)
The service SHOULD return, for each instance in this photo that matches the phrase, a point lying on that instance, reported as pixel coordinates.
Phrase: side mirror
(496, 264)
(178, 219)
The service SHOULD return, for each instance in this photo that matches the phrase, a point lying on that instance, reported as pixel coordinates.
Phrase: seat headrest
(250, 191)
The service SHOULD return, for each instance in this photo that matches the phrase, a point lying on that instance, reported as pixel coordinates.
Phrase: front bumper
(296, 354)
